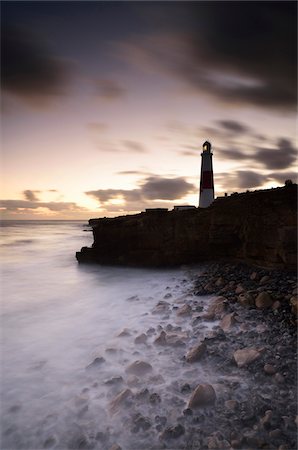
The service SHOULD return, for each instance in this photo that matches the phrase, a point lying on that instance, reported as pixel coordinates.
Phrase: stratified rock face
(256, 227)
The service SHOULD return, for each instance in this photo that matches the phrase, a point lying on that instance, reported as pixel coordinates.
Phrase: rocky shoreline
(233, 340)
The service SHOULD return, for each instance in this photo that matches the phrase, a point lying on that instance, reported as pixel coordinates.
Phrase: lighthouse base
(206, 198)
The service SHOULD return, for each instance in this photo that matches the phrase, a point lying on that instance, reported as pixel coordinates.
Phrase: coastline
(239, 326)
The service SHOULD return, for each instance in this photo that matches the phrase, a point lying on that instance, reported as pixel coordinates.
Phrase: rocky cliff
(257, 227)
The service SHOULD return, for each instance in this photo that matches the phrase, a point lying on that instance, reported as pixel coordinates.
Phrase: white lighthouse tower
(206, 183)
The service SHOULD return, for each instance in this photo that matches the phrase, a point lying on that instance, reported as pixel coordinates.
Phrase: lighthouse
(206, 183)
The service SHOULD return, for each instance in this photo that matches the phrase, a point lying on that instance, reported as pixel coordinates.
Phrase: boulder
(162, 307)
(96, 363)
(139, 368)
(184, 310)
(196, 353)
(239, 289)
(217, 306)
(246, 356)
(246, 299)
(115, 447)
(118, 401)
(203, 395)
(269, 369)
(141, 339)
(254, 276)
(227, 321)
(264, 280)
(161, 339)
(263, 300)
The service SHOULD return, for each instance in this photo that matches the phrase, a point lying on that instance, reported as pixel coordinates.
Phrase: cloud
(151, 189)
(238, 52)
(166, 188)
(15, 205)
(30, 195)
(133, 172)
(97, 127)
(281, 177)
(134, 146)
(109, 89)
(233, 126)
(105, 195)
(281, 157)
(30, 71)
(247, 179)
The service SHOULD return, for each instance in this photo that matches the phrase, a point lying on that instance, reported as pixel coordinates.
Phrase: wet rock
(139, 368)
(142, 395)
(246, 356)
(220, 282)
(203, 395)
(184, 310)
(185, 389)
(269, 369)
(227, 321)
(162, 307)
(239, 289)
(157, 379)
(279, 378)
(217, 306)
(213, 442)
(115, 447)
(161, 339)
(276, 305)
(264, 280)
(276, 433)
(141, 339)
(236, 443)
(133, 381)
(263, 301)
(154, 399)
(140, 423)
(231, 404)
(114, 380)
(124, 333)
(266, 419)
(196, 353)
(187, 412)
(96, 363)
(254, 276)
(173, 432)
(120, 400)
(246, 299)
(49, 442)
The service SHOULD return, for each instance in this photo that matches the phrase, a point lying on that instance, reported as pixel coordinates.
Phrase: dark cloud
(166, 188)
(31, 195)
(109, 89)
(30, 70)
(233, 126)
(281, 157)
(152, 188)
(239, 52)
(247, 179)
(134, 146)
(105, 195)
(281, 177)
(14, 205)
(233, 155)
(133, 172)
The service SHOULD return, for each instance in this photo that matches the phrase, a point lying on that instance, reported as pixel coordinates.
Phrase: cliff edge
(256, 227)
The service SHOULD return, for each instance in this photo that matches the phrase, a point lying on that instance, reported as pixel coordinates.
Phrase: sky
(106, 104)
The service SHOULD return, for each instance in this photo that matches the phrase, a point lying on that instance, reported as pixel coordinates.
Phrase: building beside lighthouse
(206, 182)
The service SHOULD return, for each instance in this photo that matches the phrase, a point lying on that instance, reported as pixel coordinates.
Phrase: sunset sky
(106, 105)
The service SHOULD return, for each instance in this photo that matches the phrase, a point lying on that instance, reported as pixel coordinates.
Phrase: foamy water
(57, 317)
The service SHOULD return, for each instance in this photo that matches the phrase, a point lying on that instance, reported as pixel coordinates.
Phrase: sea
(57, 318)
